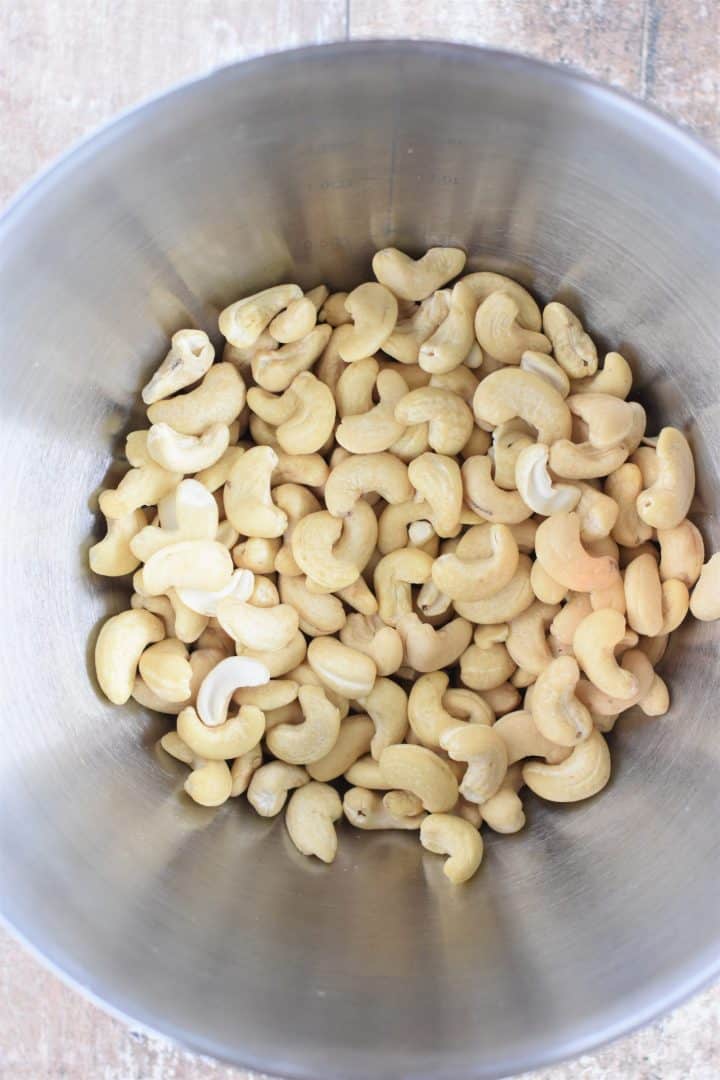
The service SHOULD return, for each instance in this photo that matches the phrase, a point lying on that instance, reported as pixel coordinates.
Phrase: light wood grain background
(67, 66)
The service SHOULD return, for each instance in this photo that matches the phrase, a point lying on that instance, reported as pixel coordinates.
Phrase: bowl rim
(699, 157)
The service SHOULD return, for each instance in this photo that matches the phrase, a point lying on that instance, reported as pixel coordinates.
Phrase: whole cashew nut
(353, 741)
(368, 634)
(263, 628)
(374, 312)
(274, 369)
(392, 578)
(247, 495)
(486, 667)
(219, 685)
(271, 784)
(615, 377)
(165, 669)
(416, 279)
(378, 428)
(451, 342)
(219, 399)
(362, 473)
(313, 738)
(486, 755)
(526, 642)
(582, 775)
(187, 453)
(449, 419)
(438, 482)
(113, 556)
(365, 809)
(387, 707)
(559, 549)
(594, 645)
(120, 644)
(446, 834)
(342, 669)
(523, 738)
(705, 599)
(667, 501)
(190, 564)
(505, 604)
(548, 369)
(233, 738)
(318, 613)
(536, 487)
(410, 333)
(499, 332)
(311, 811)
(487, 499)
(682, 553)
(205, 602)
(508, 393)
(420, 771)
(191, 354)
(643, 596)
(304, 414)
(426, 648)
(574, 349)
(294, 322)
(463, 577)
(556, 712)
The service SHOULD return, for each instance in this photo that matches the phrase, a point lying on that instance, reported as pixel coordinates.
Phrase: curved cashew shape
(610, 421)
(447, 834)
(438, 482)
(523, 739)
(504, 698)
(508, 393)
(378, 428)
(486, 755)
(257, 554)
(263, 628)
(354, 390)
(297, 502)
(569, 617)
(598, 513)
(247, 496)
(416, 279)
(219, 685)
(486, 498)
(546, 588)
(526, 642)
(368, 634)
(188, 513)
(682, 553)
(231, 739)
(366, 809)
(353, 742)
(505, 604)
(209, 783)
(643, 596)
(342, 669)
(165, 669)
(393, 524)
(242, 769)
(500, 333)
(359, 596)
(314, 737)
(486, 667)
(556, 712)
(318, 613)
(410, 333)
(274, 369)
(667, 501)
(466, 578)
(294, 322)
(426, 712)
(705, 599)
(243, 322)
(574, 349)
(271, 695)
(559, 549)
(216, 476)
(192, 564)
(548, 369)
(636, 662)
(582, 775)
(423, 773)
(120, 644)
(191, 354)
(508, 441)
(431, 602)
(387, 707)
(426, 648)
(615, 377)
(449, 419)
(205, 602)
(219, 399)
(333, 310)
(309, 819)
(113, 555)
(304, 414)
(310, 469)
(279, 661)
(594, 645)
(360, 474)
(313, 540)
(271, 784)
(374, 312)
(365, 773)
(535, 486)
(468, 706)
(187, 453)
(484, 282)
(504, 811)
(452, 341)
(145, 485)
(393, 576)
(675, 605)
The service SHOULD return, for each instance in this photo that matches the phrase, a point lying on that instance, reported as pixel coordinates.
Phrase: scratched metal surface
(68, 65)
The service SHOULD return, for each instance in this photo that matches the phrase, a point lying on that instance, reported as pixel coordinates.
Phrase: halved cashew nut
(449, 419)
(191, 354)
(362, 473)
(450, 344)
(557, 713)
(447, 834)
(120, 644)
(416, 279)
(705, 599)
(536, 487)
(271, 784)
(465, 578)
(219, 685)
(247, 495)
(374, 312)
(314, 737)
(342, 669)
(233, 738)
(508, 393)
(420, 771)
(311, 812)
(499, 332)
(582, 775)
(574, 349)
(219, 399)
(594, 644)
(353, 741)
(438, 482)
(559, 549)
(667, 501)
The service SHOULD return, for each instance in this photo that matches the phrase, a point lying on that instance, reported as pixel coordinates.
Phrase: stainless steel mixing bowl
(208, 926)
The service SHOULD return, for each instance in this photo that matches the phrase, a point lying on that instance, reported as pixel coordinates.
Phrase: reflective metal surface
(207, 926)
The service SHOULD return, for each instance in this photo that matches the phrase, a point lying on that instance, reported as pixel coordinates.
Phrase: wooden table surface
(67, 66)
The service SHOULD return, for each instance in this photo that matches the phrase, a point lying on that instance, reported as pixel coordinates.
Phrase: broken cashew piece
(191, 354)
(366, 809)
(574, 349)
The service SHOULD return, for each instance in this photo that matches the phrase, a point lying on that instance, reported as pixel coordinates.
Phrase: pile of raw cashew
(400, 553)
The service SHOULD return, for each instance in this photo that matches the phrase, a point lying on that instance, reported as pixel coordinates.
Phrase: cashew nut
(311, 811)
(447, 834)
(377, 428)
(559, 549)
(247, 495)
(486, 667)
(365, 809)
(274, 369)
(594, 644)
(505, 604)
(523, 739)
(705, 599)
(219, 685)
(342, 669)
(262, 628)
(113, 556)
(486, 498)
(219, 399)
(268, 790)
(500, 333)
(438, 482)
(449, 419)
(314, 737)
(536, 487)
(374, 312)
(363, 473)
(451, 342)
(526, 641)
(191, 564)
(304, 415)
(353, 741)
(243, 322)
(191, 354)
(233, 738)
(574, 349)
(643, 596)
(682, 553)
(615, 377)
(120, 644)
(416, 279)
(393, 576)
(420, 771)
(410, 333)
(280, 661)
(665, 503)
(205, 602)
(547, 368)
(582, 775)
(242, 770)
(462, 577)
(368, 634)
(556, 712)
(508, 393)
(504, 811)
(165, 669)
(295, 321)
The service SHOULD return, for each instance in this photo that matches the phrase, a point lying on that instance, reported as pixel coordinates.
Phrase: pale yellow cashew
(242, 770)
(220, 683)
(508, 393)
(219, 399)
(438, 482)
(263, 628)
(427, 715)
(504, 811)
(376, 429)
(536, 487)
(705, 599)
(279, 662)
(205, 602)
(486, 667)
(368, 634)
(556, 711)
(393, 576)
(657, 700)
(387, 707)
(393, 524)
(548, 369)
(402, 804)
(449, 419)
(675, 605)
(295, 321)
(210, 782)
(452, 341)
(354, 390)
(304, 414)
(120, 645)
(410, 333)
(526, 642)
(311, 812)
(610, 420)
(447, 834)
(201, 661)
(265, 593)
(374, 312)
(165, 669)
(144, 485)
(594, 644)
(233, 738)
(365, 809)
(416, 279)
(353, 741)
(257, 554)
(523, 739)
(187, 453)
(362, 473)
(485, 754)
(271, 784)
(665, 503)
(247, 495)
(191, 564)
(431, 602)
(583, 461)
(318, 613)
(333, 310)
(485, 498)
(505, 604)
(637, 664)
(359, 596)
(574, 349)
(559, 549)
(216, 476)
(309, 469)
(583, 774)
(314, 737)
(682, 553)
(274, 369)
(499, 332)
(190, 355)
(643, 596)
(365, 773)
(243, 322)
(342, 669)
(188, 513)
(647, 462)
(428, 648)
(423, 773)
(113, 556)
(189, 624)
(615, 377)
(503, 699)
(357, 543)
(314, 539)
(484, 282)
(467, 706)
(270, 695)
(545, 587)
(570, 616)
(463, 577)
(654, 648)
(297, 502)
(598, 513)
